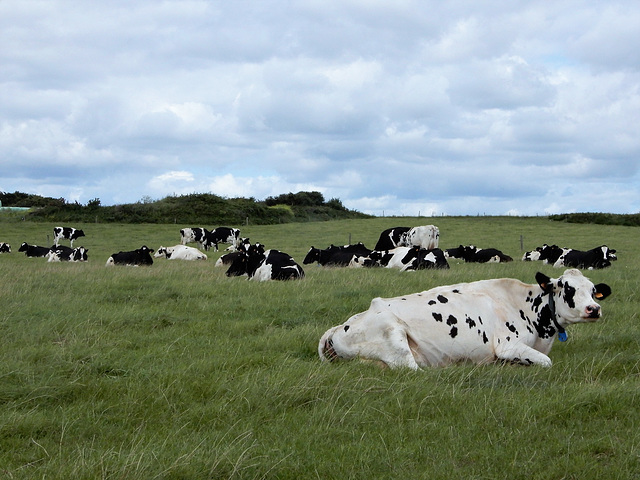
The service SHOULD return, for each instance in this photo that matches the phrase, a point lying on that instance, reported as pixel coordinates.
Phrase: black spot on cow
(437, 316)
(456, 290)
(569, 294)
(511, 327)
(484, 337)
(453, 333)
(432, 302)
(544, 323)
(346, 327)
(508, 339)
(442, 299)
(470, 321)
(452, 320)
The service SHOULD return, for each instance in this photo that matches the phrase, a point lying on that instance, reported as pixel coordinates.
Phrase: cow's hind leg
(394, 349)
(523, 354)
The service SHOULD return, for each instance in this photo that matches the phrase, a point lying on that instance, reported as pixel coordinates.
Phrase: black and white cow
(391, 238)
(546, 254)
(599, 257)
(140, 256)
(392, 258)
(179, 252)
(193, 235)
(228, 258)
(34, 250)
(5, 247)
(62, 253)
(425, 236)
(68, 233)
(221, 235)
(261, 265)
(484, 321)
(339, 256)
(473, 254)
(422, 258)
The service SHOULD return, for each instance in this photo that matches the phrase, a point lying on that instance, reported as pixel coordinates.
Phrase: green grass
(178, 372)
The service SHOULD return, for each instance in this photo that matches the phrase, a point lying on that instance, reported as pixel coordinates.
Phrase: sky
(404, 107)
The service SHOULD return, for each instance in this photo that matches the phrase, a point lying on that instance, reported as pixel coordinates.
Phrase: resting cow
(5, 247)
(261, 265)
(335, 256)
(599, 257)
(179, 252)
(34, 250)
(62, 253)
(483, 321)
(140, 256)
(391, 238)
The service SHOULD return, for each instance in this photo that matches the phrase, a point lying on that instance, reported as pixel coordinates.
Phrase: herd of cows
(483, 321)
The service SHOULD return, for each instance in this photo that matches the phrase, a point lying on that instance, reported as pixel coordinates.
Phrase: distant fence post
(521, 242)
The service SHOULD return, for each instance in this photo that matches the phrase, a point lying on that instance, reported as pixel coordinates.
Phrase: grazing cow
(221, 235)
(421, 258)
(483, 321)
(180, 252)
(5, 247)
(426, 236)
(140, 256)
(599, 257)
(261, 265)
(68, 233)
(193, 235)
(390, 238)
(335, 256)
(62, 253)
(34, 250)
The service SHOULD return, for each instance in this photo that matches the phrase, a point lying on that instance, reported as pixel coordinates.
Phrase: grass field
(177, 372)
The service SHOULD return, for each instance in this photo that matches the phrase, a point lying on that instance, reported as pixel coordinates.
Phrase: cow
(221, 235)
(426, 236)
(390, 238)
(335, 255)
(34, 250)
(599, 257)
(62, 253)
(422, 258)
(5, 247)
(179, 252)
(68, 233)
(193, 235)
(546, 254)
(261, 265)
(473, 254)
(228, 258)
(140, 256)
(482, 322)
(383, 258)
(241, 244)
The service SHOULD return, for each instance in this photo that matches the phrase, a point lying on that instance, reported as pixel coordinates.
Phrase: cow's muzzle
(592, 311)
(328, 351)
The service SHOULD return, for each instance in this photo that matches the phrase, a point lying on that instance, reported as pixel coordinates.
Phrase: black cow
(473, 254)
(140, 256)
(68, 233)
(62, 253)
(261, 265)
(34, 250)
(5, 247)
(391, 238)
(599, 257)
(335, 255)
(421, 258)
(221, 235)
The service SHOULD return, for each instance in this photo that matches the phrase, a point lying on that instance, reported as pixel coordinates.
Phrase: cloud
(393, 107)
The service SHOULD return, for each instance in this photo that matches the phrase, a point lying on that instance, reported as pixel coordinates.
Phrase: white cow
(426, 236)
(501, 319)
(180, 252)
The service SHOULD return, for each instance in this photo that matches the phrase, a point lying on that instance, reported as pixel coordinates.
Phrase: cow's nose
(593, 311)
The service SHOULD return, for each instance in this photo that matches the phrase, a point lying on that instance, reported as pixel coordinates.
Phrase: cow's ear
(602, 291)
(544, 281)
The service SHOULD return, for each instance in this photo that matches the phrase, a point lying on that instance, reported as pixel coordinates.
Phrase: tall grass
(176, 371)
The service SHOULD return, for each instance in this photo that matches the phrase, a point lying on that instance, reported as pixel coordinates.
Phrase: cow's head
(313, 255)
(574, 296)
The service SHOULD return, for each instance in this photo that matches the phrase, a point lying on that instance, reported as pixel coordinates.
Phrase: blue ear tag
(562, 336)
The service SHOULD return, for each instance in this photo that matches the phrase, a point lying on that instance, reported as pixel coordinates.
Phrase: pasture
(175, 371)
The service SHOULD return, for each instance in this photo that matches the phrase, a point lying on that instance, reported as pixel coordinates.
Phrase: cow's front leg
(521, 353)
